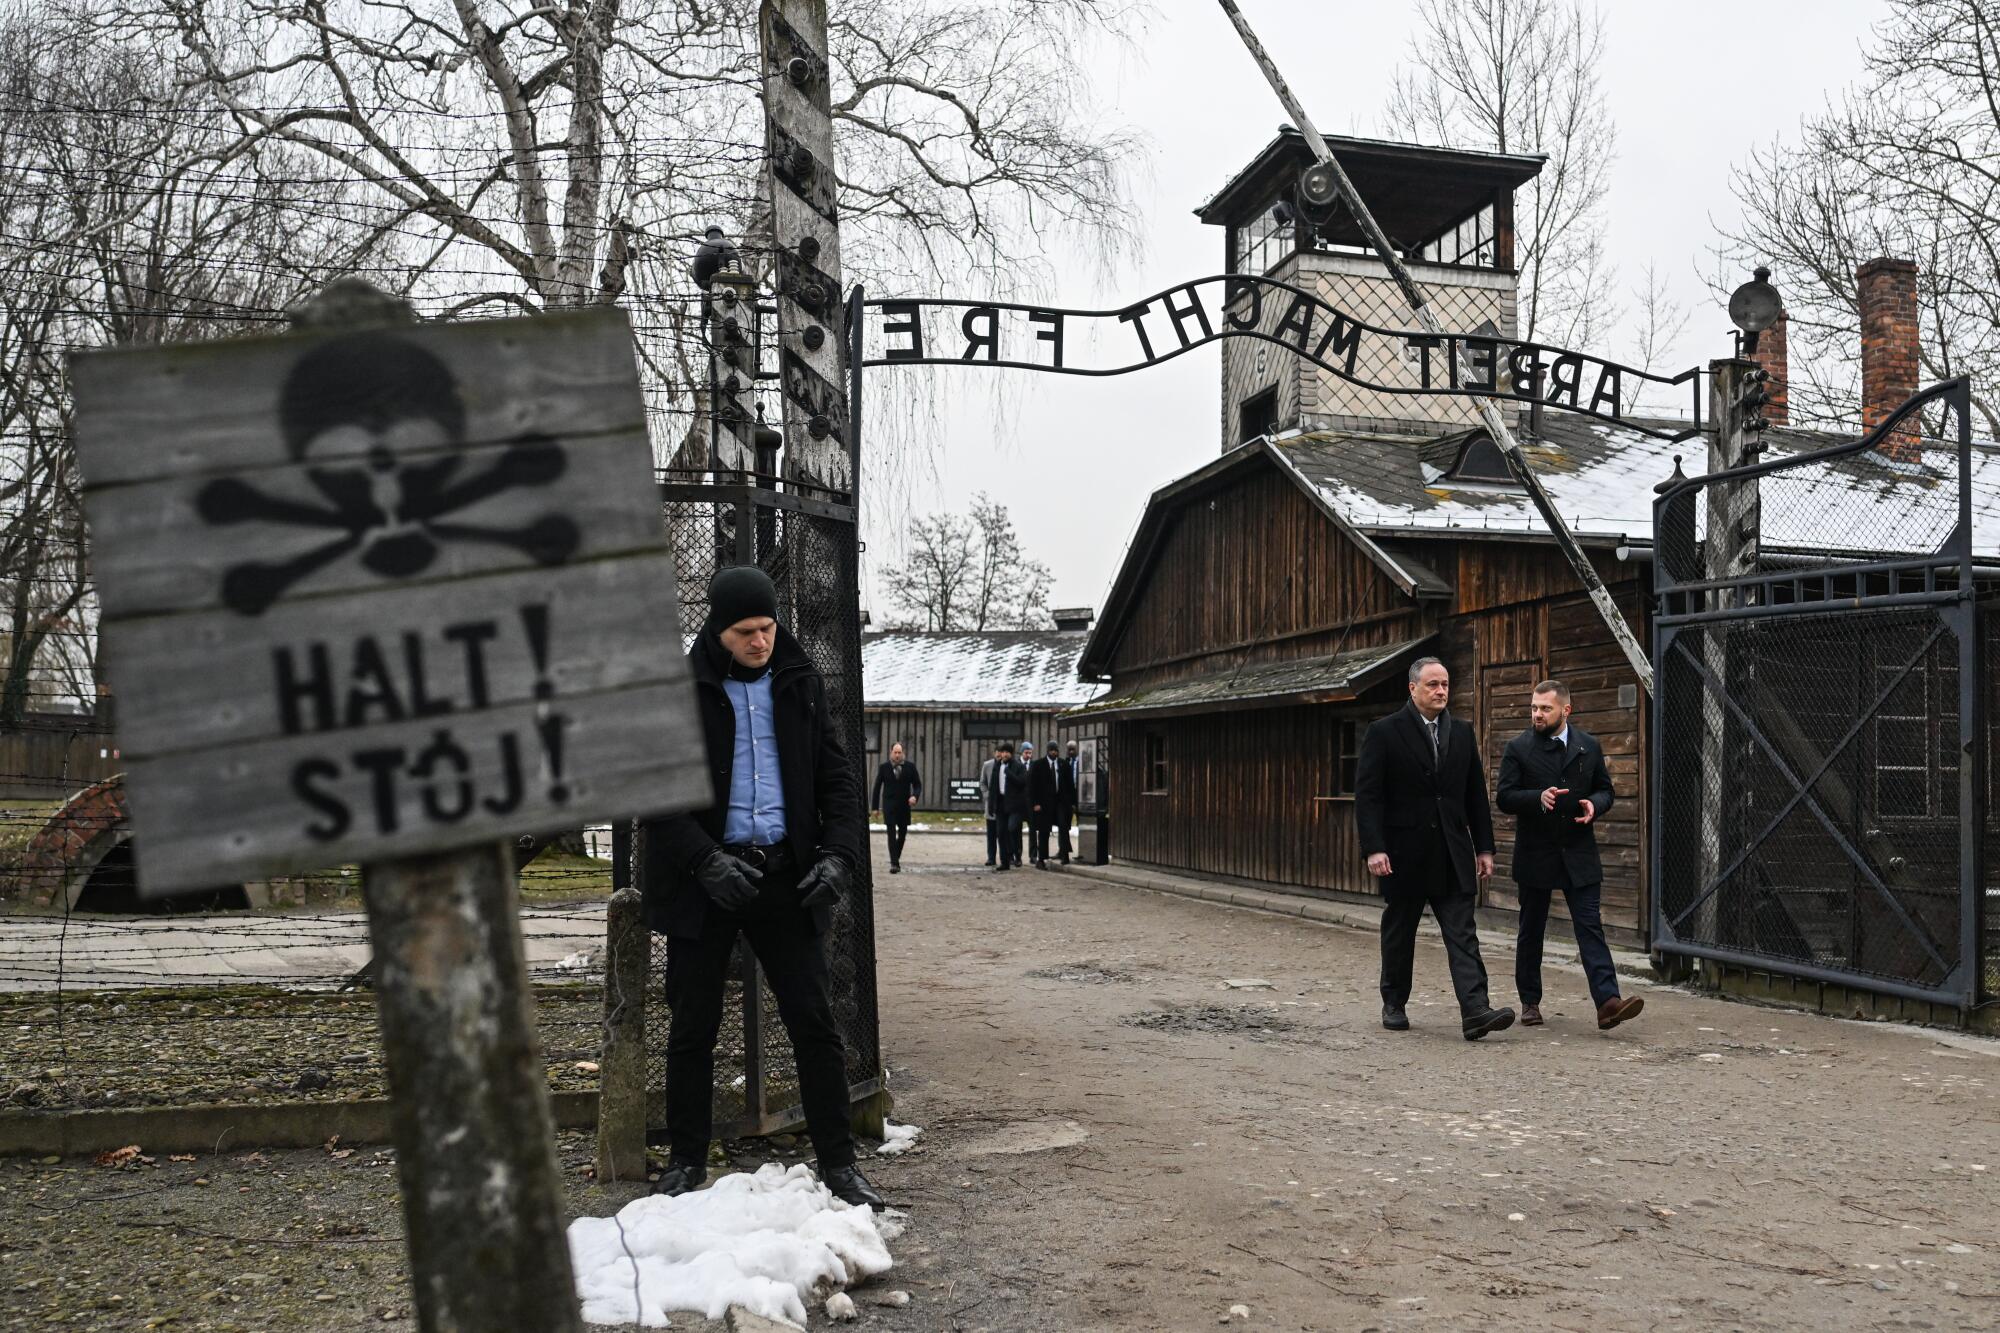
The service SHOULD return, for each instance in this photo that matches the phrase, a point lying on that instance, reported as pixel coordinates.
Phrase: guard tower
(1451, 214)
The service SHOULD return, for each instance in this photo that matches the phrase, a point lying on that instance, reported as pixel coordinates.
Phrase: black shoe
(679, 1178)
(895, 869)
(1493, 1020)
(850, 1186)
(1394, 1019)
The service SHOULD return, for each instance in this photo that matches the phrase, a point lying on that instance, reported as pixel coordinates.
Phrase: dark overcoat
(1552, 850)
(823, 811)
(1430, 818)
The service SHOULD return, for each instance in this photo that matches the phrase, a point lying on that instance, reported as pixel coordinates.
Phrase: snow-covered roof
(985, 669)
(1602, 478)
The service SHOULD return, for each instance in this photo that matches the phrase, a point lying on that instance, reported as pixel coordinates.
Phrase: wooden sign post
(392, 593)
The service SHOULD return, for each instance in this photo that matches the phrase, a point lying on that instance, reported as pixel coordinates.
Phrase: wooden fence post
(475, 1140)
(621, 1068)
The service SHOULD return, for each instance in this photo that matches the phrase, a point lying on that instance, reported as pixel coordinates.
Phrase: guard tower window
(1257, 415)
(1471, 243)
(1262, 243)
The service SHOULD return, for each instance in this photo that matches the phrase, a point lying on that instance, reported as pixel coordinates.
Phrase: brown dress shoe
(1531, 1015)
(1619, 1009)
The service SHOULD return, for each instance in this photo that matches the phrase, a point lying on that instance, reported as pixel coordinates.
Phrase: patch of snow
(897, 1138)
(766, 1241)
(840, 1306)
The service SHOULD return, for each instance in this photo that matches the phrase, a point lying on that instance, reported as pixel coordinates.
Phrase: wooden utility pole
(1729, 550)
(799, 173)
(1489, 415)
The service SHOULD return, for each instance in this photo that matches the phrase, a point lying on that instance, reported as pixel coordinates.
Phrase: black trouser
(1064, 817)
(1585, 916)
(1402, 909)
(1010, 839)
(899, 832)
(794, 962)
(1041, 826)
(993, 826)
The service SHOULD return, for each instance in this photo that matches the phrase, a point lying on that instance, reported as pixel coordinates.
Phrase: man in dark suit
(986, 804)
(769, 861)
(1541, 775)
(1007, 803)
(1420, 809)
(1065, 798)
(1043, 785)
(898, 788)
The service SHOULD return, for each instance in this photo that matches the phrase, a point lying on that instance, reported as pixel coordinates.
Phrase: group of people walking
(1026, 792)
(1426, 829)
(771, 859)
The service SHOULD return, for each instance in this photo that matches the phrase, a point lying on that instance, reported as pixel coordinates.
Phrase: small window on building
(1257, 415)
(1156, 763)
(1471, 243)
(1481, 461)
(994, 728)
(1262, 243)
(1347, 756)
(871, 734)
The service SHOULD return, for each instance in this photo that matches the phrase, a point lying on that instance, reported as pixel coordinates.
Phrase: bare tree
(536, 156)
(968, 572)
(1521, 76)
(118, 225)
(1657, 325)
(1906, 165)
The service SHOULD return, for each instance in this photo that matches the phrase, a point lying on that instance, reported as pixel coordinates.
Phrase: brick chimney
(1887, 291)
(1770, 354)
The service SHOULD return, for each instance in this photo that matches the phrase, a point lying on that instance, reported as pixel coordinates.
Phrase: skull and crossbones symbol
(388, 417)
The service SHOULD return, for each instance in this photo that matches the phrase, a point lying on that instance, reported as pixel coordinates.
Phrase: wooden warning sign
(375, 591)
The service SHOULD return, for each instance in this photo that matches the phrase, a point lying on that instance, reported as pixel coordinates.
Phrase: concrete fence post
(621, 1068)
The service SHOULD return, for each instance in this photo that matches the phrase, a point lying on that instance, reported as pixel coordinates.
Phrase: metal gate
(804, 539)
(1819, 748)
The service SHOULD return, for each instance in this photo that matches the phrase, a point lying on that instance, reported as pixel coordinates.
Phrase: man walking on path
(768, 861)
(986, 804)
(1042, 788)
(1420, 809)
(898, 786)
(1007, 804)
(1065, 799)
(1553, 780)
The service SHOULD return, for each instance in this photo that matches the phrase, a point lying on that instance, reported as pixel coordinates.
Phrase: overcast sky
(1691, 87)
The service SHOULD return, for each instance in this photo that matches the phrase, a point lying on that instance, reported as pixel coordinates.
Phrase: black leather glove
(729, 883)
(827, 882)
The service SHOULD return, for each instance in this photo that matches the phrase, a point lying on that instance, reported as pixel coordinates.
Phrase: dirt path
(1115, 1140)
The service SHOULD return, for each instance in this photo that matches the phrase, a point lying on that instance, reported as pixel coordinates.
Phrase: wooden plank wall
(1497, 655)
(934, 740)
(1256, 573)
(49, 764)
(1240, 798)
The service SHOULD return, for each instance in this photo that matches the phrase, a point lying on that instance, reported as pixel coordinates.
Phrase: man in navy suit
(1427, 831)
(1553, 780)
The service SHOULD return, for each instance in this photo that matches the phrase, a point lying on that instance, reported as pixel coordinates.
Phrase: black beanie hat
(740, 592)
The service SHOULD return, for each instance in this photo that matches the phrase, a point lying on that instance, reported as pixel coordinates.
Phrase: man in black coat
(1420, 810)
(769, 861)
(1007, 803)
(898, 787)
(1043, 787)
(1553, 779)
(1065, 798)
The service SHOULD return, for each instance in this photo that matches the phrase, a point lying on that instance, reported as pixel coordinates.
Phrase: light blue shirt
(1563, 735)
(756, 788)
